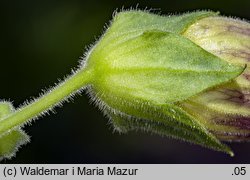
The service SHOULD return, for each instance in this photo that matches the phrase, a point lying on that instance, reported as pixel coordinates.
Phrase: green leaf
(10, 141)
(159, 67)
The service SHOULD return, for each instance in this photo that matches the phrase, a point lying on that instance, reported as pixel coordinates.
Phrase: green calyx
(157, 67)
(141, 73)
(147, 63)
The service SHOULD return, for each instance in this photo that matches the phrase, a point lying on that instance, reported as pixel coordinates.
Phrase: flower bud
(148, 76)
(184, 76)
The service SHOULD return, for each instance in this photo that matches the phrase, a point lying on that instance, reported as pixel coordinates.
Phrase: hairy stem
(47, 101)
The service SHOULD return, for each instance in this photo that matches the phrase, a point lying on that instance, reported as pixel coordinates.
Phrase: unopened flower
(184, 76)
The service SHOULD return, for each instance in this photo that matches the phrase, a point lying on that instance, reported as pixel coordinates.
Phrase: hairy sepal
(163, 119)
(159, 66)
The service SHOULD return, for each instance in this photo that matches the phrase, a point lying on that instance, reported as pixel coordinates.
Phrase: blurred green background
(42, 40)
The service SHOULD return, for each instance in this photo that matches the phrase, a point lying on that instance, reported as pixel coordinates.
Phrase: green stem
(47, 101)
